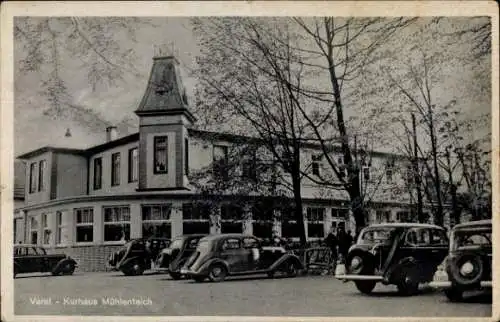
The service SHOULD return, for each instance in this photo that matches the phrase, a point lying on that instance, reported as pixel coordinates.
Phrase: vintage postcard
(232, 161)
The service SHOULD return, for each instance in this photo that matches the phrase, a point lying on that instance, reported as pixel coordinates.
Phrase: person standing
(344, 242)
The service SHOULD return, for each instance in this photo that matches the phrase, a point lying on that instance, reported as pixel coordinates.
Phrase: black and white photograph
(326, 164)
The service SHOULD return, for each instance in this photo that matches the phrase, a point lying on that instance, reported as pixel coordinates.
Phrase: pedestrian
(332, 242)
(344, 242)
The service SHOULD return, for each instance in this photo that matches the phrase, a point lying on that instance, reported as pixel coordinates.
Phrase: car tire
(408, 280)
(137, 268)
(365, 287)
(455, 269)
(175, 275)
(454, 294)
(217, 273)
(68, 269)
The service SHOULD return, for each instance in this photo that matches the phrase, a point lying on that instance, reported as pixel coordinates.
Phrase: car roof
(405, 225)
(474, 224)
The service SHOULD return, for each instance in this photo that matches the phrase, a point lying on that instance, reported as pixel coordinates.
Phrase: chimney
(111, 133)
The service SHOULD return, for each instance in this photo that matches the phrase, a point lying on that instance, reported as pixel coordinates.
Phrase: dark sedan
(219, 256)
(404, 254)
(34, 259)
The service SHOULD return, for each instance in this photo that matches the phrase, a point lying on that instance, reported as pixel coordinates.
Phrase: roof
(471, 224)
(220, 236)
(405, 225)
(45, 149)
(165, 91)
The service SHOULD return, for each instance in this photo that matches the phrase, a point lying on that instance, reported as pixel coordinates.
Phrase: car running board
(359, 277)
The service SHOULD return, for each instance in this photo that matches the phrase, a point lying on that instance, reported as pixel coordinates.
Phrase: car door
(440, 245)
(252, 247)
(32, 259)
(234, 254)
(20, 257)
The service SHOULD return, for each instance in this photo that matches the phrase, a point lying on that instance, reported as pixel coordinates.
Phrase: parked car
(468, 266)
(34, 259)
(173, 257)
(404, 254)
(137, 255)
(219, 256)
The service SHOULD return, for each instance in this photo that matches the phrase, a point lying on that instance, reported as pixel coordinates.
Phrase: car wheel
(68, 269)
(454, 294)
(356, 265)
(137, 268)
(408, 280)
(175, 275)
(217, 273)
(365, 287)
(467, 269)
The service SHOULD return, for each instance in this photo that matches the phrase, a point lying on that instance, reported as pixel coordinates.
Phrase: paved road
(301, 296)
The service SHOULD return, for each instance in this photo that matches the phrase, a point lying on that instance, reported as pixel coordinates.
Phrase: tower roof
(165, 93)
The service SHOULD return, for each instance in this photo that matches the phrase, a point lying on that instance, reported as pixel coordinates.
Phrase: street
(111, 293)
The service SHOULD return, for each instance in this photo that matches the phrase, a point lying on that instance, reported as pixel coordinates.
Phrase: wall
(106, 187)
(71, 175)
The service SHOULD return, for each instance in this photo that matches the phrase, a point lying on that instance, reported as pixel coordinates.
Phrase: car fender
(392, 271)
(285, 258)
(368, 261)
(17, 267)
(128, 261)
(63, 262)
(203, 270)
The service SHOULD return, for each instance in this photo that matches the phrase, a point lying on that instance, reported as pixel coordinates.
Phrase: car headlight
(467, 268)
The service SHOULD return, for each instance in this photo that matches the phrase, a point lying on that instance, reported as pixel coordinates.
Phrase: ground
(300, 296)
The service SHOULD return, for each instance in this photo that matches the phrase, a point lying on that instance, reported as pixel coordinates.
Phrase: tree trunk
(357, 202)
(298, 215)
(438, 218)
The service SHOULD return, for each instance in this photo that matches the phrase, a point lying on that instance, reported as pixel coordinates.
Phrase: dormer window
(315, 164)
(42, 167)
(33, 177)
(161, 154)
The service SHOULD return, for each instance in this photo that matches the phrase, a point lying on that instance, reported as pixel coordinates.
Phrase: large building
(167, 180)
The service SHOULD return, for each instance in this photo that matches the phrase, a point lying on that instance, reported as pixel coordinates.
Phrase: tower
(163, 136)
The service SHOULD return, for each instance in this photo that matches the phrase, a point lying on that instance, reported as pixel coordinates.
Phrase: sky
(114, 104)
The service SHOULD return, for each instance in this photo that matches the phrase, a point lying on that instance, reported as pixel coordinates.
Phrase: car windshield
(471, 239)
(379, 235)
(177, 243)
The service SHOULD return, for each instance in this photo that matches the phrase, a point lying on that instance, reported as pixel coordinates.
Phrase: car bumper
(352, 277)
(448, 284)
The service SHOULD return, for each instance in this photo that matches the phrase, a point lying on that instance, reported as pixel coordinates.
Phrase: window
(59, 227)
(315, 164)
(33, 230)
(220, 162)
(42, 167)
(249, 166)
(195, 218)
(97, 173)
(161, 154)
(404, 216)
(115, 169)
(439, 237)
(382, 216)
(46, 229)
(315, 222)
(418, 236)
(133, 169)
(84, 225)
(341, 213)
(262, 220)
(409, 175)
(156, 221)
(250, 242)
(342, 167)
(186, 156)
(116, 223)
(33, 177)
(231, 217)
(231, 243)
(388, 174)
(290, 228)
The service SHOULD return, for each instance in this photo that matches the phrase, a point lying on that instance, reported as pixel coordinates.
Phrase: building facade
(170, 179)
